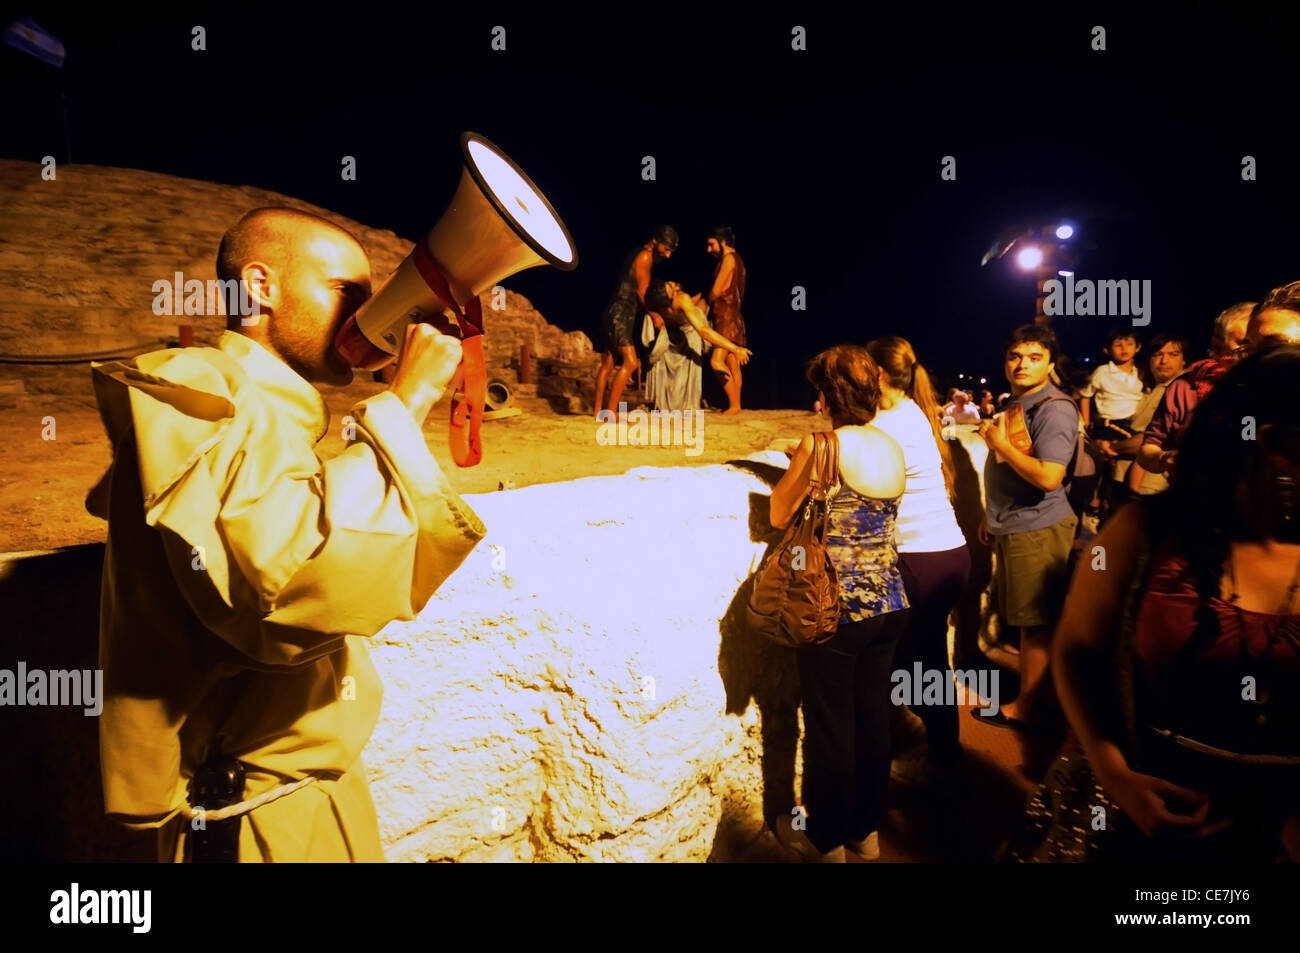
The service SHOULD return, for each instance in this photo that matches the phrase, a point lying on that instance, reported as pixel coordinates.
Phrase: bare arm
(1129, 445)
(1083, 647)
(1156, 459)
(1044, 474)
(788, 495)
(641, 271)
(686, 306)
(1085, 411)
(1083, 671)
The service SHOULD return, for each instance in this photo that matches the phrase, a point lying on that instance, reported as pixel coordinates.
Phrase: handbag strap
(826, 483)
(832, 475)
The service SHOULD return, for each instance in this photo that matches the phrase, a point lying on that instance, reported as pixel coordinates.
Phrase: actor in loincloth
(724, 299)
(619, 320)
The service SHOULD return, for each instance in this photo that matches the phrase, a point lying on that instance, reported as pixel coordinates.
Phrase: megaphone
(497, 225)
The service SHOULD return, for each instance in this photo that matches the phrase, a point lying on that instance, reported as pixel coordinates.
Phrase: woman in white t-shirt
(933, 558)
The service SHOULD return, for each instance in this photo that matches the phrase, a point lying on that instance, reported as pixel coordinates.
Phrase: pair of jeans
(934, 582)
(845, 686)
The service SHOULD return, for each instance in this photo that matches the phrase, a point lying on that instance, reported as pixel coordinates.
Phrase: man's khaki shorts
(1032, 573)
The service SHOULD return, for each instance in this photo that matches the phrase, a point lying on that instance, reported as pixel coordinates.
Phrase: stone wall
(81, 254)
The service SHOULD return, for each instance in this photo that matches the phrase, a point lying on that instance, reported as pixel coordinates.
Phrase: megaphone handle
(467, 414)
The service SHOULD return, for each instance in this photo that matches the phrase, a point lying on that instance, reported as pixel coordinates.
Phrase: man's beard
(656, 258)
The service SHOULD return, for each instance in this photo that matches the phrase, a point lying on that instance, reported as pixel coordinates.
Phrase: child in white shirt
(1111, 397)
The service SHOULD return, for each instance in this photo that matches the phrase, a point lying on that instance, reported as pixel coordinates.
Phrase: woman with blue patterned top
(846, 680)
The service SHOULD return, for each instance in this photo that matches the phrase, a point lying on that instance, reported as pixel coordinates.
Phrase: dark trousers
(845, 685)
(934, 582)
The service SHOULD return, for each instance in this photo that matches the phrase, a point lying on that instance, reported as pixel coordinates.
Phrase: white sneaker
(868, 848)
(798, 842)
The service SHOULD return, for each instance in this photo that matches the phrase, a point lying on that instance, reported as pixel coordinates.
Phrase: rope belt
(244, 807)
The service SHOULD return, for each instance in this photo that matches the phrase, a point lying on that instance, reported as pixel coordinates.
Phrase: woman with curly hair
(846, 680)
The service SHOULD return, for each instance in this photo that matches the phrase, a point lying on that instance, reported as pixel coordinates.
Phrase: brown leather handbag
(796, 597)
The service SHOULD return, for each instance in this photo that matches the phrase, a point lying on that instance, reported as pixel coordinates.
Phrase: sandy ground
(43, 483)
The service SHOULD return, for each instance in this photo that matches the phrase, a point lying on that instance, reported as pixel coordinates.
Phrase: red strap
(471, 376)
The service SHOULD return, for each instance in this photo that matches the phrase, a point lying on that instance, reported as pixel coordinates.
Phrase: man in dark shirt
(1028, 518)
(619, 319)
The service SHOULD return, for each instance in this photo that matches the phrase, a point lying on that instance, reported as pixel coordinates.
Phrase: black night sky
(826, 162)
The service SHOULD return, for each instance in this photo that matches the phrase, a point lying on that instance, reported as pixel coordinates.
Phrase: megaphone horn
(497, 225)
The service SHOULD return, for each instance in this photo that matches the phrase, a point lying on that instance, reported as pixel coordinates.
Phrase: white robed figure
(675, 380)
(676, 371)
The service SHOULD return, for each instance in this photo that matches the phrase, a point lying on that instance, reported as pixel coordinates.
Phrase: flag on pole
(27, 35)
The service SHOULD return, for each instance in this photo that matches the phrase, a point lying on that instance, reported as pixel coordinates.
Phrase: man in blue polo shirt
(1028, 519)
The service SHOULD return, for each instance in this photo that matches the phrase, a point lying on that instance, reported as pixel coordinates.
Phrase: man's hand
(743, 354)
(425, 367)
(993, 436)
(985, 538)
(657, 321)
(1107, 449)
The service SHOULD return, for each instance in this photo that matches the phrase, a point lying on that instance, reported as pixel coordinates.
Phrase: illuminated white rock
(562, 695)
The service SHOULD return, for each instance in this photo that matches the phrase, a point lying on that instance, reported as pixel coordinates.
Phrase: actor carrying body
(619, 320)
(667, 298)
(242, 573)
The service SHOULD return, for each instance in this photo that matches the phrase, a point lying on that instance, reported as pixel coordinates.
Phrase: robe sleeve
(283, 556)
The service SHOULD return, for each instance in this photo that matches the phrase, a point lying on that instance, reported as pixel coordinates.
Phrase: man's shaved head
(307, 275)
(272, 235)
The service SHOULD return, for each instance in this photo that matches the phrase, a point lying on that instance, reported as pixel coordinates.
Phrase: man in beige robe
(242, 574)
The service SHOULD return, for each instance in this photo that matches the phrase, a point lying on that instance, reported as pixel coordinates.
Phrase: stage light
(1064, 231)
(984, 380)
(1066, 274)
(1030, 258)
